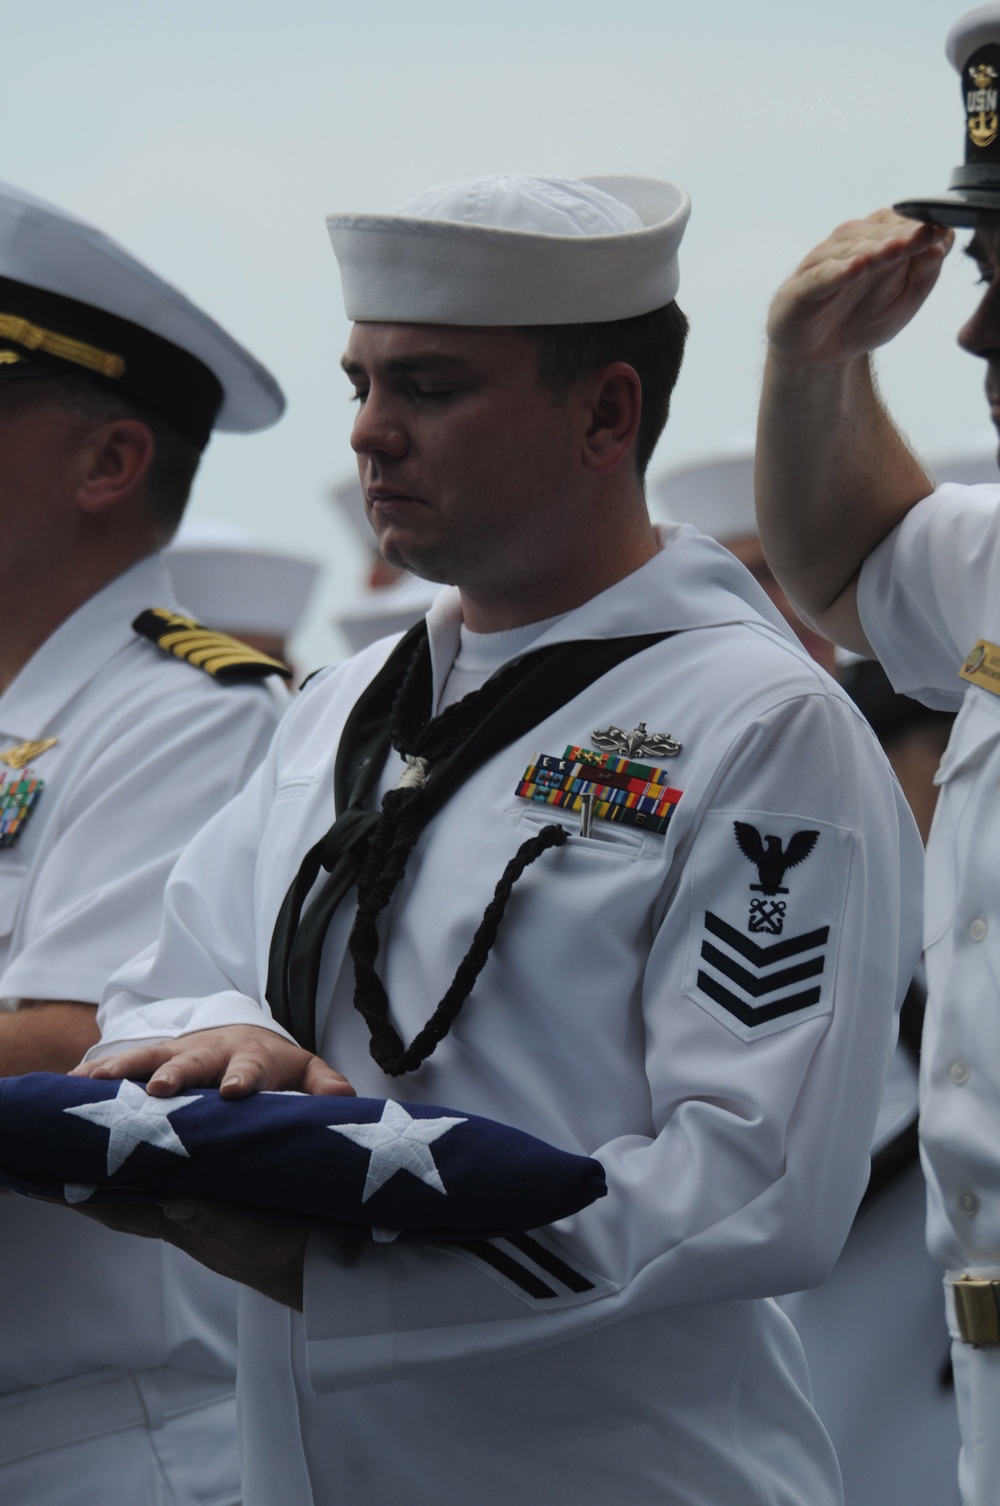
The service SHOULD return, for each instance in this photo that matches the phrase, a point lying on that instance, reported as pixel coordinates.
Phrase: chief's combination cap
(715, 495)
(73, 301)
(973, 48)
(515, 250)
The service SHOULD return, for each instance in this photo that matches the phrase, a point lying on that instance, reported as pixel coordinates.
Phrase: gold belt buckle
(977, 1309)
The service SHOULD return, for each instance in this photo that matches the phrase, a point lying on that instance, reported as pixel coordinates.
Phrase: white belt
(40, 1418)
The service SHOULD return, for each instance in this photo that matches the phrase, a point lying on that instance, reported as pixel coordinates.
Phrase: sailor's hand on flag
(236, 1059)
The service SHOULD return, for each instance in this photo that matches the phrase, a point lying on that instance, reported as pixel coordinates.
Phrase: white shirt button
(978, 928)
(959, 1072)
(969, 1203)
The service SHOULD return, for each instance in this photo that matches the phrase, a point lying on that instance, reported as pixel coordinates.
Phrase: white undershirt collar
(481, 654)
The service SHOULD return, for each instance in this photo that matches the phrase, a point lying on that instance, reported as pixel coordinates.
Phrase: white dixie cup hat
(715, 495)
(223, 576)
(508, 250)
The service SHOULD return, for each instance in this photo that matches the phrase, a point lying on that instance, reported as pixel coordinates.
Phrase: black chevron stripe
(746, 1013)
(763, 956)
(771, 982)
(509, 1267)
(549, 1262)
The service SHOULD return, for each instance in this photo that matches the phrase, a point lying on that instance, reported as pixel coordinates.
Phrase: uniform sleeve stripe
(533, 1285)
(746, 1013)
(771, 982)
(551, 1263)
(763, 956)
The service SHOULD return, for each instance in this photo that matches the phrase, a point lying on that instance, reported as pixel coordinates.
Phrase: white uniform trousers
(977, 1391)
(121, 1438)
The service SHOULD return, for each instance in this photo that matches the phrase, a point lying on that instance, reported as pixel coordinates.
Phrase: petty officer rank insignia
(612, 788)
(224, 658)
(982, 667)
(767, 901)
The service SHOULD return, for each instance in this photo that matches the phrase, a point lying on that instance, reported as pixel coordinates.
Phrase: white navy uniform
(927, 595)
(629, 1010)
(875, 1337)
(118, 1353)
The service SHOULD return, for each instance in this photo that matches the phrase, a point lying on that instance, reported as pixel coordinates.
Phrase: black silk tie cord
(369, 848)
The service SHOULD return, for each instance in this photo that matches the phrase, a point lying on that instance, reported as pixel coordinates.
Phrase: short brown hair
(175, 459)
(652, 344)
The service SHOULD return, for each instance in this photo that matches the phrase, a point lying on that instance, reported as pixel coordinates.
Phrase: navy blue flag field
(334, 1162)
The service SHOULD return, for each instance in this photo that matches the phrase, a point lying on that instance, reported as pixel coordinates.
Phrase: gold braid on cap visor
(34, 337)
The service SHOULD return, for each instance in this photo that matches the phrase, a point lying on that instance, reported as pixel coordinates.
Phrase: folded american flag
(334, 1162)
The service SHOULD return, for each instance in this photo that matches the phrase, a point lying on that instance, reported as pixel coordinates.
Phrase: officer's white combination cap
(74, 301)
(515, 250)
(715, 495)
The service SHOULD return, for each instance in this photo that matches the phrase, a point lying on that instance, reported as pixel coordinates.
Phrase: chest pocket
(606, 840)
(967, 820)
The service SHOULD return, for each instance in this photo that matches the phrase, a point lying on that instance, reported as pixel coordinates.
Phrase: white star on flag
(398, 1142)
(133, 1118)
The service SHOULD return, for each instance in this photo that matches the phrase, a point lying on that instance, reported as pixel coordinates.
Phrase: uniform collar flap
(692, 582)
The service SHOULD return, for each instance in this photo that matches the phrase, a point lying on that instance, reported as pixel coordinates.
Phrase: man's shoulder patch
(224, 658)
(767, 905)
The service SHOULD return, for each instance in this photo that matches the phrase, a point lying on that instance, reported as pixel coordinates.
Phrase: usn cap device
(973, 48)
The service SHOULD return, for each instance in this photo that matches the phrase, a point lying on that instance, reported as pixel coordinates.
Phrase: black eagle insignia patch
(761, 959)
(770, 859)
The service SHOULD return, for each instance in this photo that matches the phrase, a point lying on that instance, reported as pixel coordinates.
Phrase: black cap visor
(45, 334)
(960, 208)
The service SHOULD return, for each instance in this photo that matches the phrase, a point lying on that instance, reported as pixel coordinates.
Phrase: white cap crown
(508, 250)
(715, 495)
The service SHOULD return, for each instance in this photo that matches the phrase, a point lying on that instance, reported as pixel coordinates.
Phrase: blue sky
(212, 136)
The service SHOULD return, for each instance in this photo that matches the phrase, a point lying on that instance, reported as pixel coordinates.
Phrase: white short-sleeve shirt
(147, 749)
(927, 595)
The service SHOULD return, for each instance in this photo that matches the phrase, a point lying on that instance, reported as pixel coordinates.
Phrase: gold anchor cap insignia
(981, 105)
(22, 753)
(637, 744)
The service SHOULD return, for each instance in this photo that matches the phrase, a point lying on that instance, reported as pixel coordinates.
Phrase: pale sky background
(212, 136)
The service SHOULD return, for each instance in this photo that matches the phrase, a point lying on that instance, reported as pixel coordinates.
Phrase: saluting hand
(237, 1059)
(856, 290)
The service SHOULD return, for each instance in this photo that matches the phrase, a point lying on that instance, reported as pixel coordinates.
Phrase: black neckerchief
(515, 699)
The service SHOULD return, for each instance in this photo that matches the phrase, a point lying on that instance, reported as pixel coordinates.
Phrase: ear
(616, 405)
(114, 459)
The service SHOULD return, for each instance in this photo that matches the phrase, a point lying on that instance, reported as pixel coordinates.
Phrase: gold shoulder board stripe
(224, 658)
